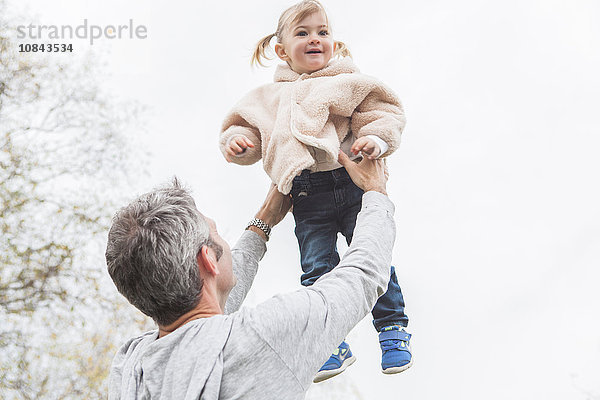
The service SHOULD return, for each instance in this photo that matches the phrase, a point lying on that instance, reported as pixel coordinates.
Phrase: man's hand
(237, 145)
(274, 208)
(367, 174)
(367, 146)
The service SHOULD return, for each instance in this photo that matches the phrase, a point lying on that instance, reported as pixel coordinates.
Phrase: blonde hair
(292, 15)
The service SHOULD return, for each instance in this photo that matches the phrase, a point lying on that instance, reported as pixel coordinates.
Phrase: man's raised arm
(351, 289)
(251, 247)
(304, 326)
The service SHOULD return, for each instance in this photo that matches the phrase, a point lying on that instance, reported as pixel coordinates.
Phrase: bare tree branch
(64, 147)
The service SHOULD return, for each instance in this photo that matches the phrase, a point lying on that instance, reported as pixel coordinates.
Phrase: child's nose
(314, 40)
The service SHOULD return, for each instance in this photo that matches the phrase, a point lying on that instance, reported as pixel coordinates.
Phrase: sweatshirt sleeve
(380, 114)
(305, 326)
(243, 120)
(246, 254)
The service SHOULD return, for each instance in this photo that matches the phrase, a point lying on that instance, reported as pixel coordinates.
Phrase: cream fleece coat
(296, 111)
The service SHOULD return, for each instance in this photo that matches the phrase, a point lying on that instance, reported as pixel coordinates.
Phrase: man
(170, 262)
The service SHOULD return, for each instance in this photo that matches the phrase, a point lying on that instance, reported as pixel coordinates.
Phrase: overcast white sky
(495, 184)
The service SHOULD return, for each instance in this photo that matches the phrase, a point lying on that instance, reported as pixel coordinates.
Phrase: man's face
(225, 280)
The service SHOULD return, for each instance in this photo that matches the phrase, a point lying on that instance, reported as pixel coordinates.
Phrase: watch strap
(260, 224)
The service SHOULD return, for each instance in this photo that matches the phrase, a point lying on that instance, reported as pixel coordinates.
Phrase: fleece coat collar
(284, 73)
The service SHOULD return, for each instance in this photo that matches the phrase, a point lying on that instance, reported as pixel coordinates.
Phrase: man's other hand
(367, 174)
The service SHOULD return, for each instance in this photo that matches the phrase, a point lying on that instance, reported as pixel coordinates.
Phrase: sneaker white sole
(396, 370)
(323, 375)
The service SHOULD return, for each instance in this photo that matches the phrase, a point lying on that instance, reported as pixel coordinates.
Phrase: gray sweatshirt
(273, 350)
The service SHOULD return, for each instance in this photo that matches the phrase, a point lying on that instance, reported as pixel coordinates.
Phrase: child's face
(307, 45)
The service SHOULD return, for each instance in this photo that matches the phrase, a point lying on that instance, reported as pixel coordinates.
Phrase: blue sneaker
(341, 359)
(395, 350)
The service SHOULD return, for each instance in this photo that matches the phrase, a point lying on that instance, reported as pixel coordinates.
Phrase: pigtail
(260, 52)
(341, 50)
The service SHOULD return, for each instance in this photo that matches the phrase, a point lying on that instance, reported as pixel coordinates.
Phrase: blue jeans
(326, 203)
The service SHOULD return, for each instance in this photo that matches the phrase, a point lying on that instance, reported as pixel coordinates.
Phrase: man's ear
(280, 51)
(207, 261)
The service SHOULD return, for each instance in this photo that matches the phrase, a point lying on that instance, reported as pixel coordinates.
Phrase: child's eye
(301, 33)
(323, 33)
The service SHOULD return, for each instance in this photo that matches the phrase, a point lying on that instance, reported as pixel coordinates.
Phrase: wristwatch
(260, 224)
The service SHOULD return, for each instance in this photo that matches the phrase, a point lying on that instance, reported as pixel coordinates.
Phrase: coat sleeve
(380, 114)
(242, 120)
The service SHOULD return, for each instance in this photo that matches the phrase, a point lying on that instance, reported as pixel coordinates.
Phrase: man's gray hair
(151, 253)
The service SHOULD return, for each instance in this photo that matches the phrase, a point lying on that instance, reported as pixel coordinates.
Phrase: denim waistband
(315, 182)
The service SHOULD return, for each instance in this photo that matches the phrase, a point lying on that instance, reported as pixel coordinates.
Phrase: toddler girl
(318, 105)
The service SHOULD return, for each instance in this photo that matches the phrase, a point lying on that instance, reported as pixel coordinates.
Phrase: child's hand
(237, 145)
(367, 146)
